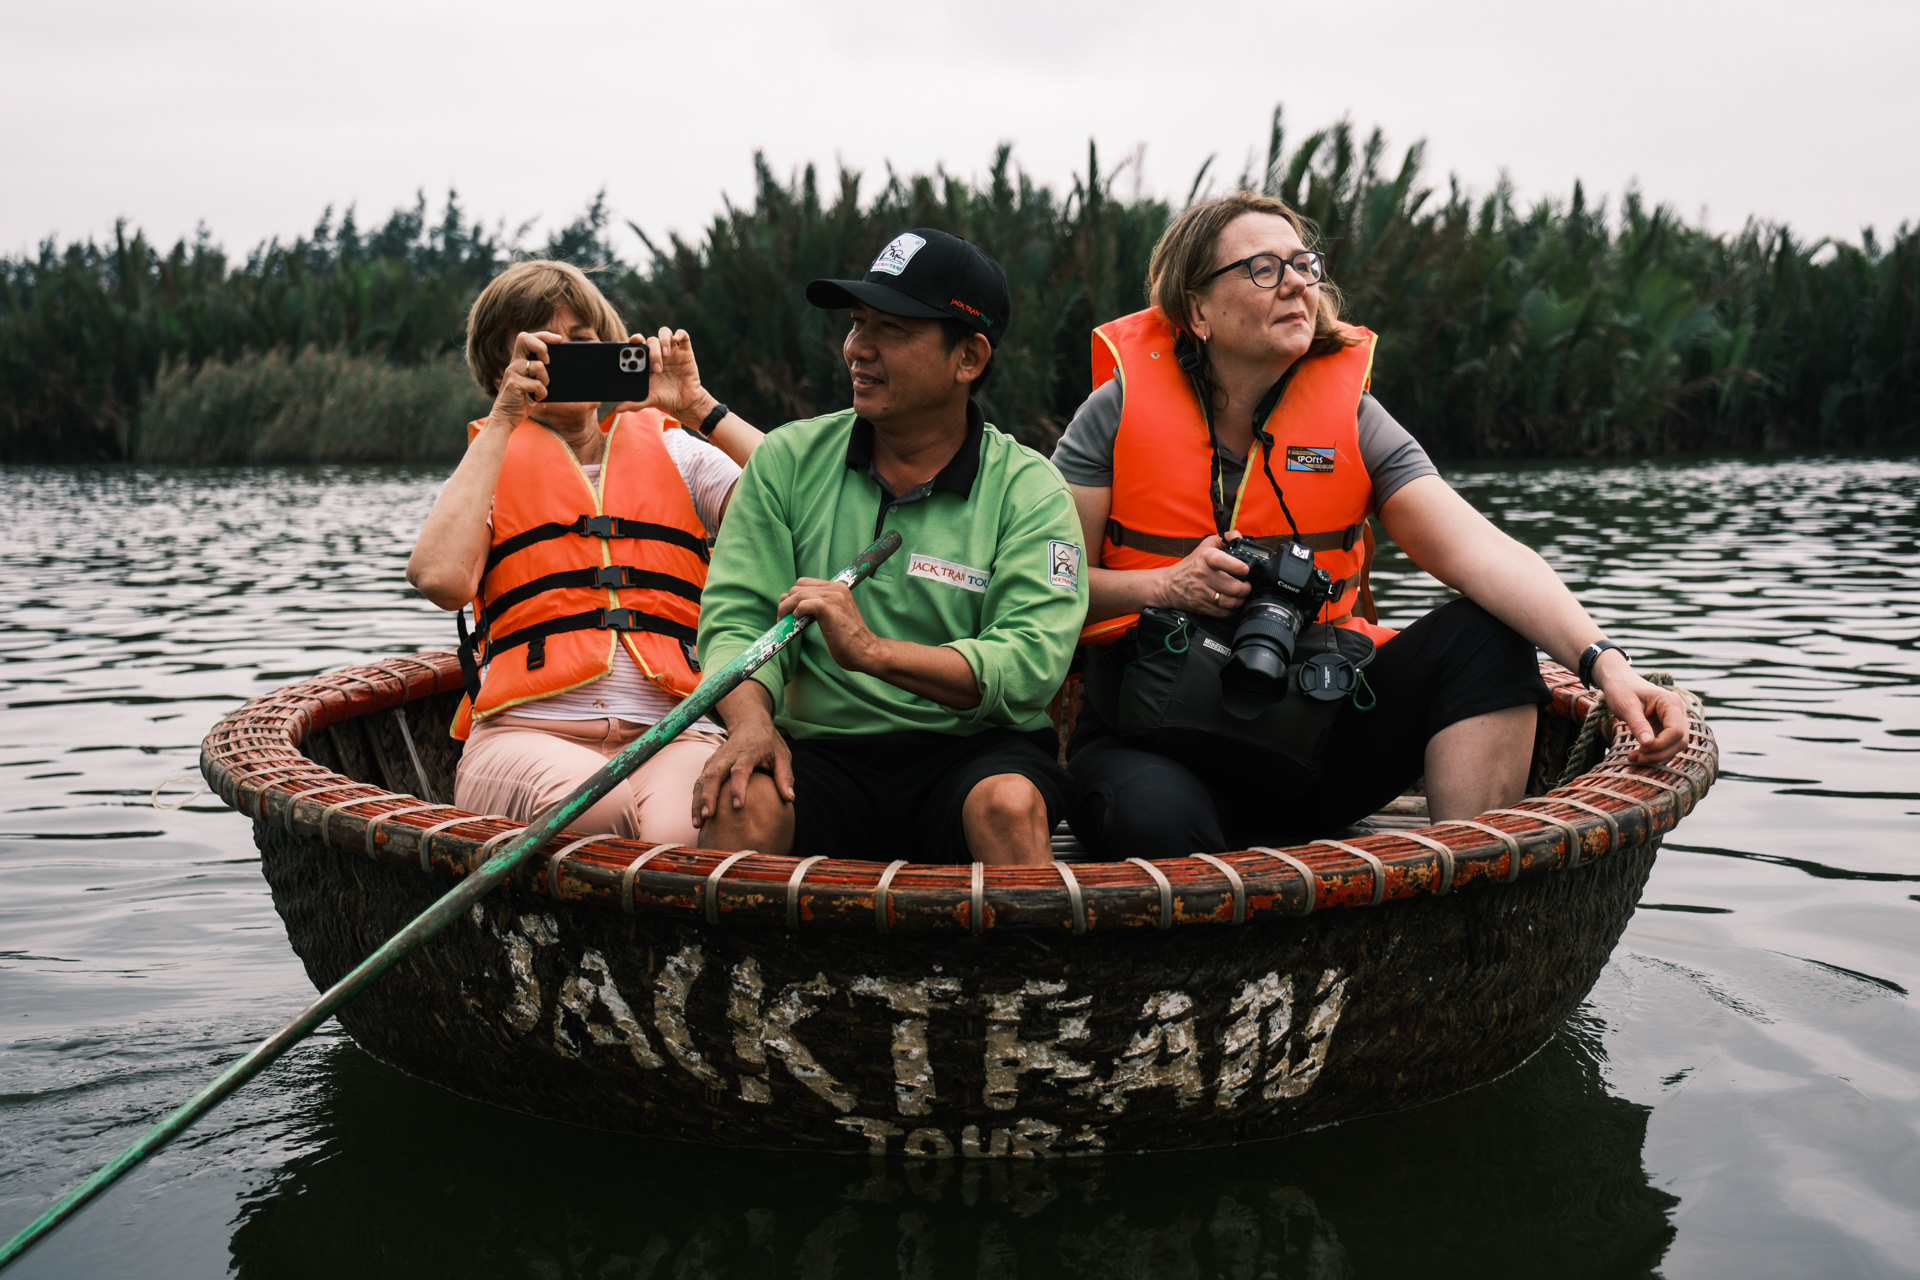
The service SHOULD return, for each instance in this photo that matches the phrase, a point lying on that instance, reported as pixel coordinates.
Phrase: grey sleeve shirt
(1388, 450)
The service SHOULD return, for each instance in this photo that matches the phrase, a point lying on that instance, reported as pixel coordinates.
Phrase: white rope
(164, 783)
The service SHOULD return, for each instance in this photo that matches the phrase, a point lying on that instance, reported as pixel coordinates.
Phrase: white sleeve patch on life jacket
(1063, 565)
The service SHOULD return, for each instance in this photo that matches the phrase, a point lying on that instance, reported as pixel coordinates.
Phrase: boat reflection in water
(1539, 1173)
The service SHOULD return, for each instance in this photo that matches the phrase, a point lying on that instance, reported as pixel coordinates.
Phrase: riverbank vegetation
(314, 406)
(1563, 328)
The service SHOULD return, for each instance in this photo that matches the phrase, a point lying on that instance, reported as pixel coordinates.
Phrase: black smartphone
(599, 372)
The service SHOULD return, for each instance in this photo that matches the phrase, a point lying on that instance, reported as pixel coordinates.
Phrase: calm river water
(1739, 1097)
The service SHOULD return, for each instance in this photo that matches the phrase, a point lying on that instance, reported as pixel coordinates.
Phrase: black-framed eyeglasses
(1264, 269)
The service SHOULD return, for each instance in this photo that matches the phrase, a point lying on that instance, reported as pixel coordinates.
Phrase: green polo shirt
(990, 565)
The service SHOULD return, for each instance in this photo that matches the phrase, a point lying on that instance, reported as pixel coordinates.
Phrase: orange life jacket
(1163, 467)
(578, 576)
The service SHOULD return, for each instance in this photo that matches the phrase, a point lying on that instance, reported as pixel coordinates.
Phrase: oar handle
(451, 906)
(867, 561)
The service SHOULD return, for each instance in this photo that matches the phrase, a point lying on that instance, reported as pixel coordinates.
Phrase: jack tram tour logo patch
(899, 252)
(1063, 564)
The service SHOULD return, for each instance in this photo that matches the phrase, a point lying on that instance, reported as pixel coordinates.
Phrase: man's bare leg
(764, 823)
(1005, 821)
(1479, 764)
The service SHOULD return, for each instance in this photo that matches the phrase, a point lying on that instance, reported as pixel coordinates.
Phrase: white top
(624, 693)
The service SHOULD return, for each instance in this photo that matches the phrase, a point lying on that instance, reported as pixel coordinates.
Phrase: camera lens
(1256, 674)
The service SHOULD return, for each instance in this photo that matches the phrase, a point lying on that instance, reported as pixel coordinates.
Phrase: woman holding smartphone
(581, 543)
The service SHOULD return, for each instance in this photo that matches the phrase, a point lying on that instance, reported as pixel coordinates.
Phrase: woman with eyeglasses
(1234, 696)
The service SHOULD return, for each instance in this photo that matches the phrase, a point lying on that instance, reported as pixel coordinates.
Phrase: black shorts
(899, 795)
(1455, 663)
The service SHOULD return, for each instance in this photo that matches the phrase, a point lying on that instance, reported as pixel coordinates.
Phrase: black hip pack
(1160, 683)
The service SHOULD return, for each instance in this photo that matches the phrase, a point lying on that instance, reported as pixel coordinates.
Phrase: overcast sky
(253, 117)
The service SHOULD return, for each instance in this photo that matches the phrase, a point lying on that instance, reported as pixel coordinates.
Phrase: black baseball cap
(927, 275)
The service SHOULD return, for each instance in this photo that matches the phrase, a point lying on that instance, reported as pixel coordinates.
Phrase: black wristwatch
(714, 418)
(1591, 654)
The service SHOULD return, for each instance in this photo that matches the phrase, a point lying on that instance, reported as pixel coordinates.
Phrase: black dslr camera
(1288, 594)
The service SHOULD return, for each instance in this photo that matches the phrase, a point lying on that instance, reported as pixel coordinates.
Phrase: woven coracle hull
(935, 1011)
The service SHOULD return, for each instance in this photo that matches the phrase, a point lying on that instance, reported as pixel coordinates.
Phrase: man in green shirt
(910, 722)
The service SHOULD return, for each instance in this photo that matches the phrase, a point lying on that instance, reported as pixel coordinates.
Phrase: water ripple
(1739, 1096)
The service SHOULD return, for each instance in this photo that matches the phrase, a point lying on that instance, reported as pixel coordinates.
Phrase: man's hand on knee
(752, 746)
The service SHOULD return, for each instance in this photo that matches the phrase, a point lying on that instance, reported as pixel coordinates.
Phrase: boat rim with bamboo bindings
(941, 1011)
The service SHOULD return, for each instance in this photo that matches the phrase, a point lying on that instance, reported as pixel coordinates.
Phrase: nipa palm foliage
(1558, 328)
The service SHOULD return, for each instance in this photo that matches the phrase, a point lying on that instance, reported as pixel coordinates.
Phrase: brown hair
(1183, 259)
(522, 299)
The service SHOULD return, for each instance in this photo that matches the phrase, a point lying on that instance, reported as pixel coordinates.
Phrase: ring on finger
(1216, 597)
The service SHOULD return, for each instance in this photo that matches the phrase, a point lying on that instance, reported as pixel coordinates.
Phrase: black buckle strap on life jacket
(1365, 602)
(598, 527)
(615, 576)
(1180, 548)
(469, 651)
(535, 636)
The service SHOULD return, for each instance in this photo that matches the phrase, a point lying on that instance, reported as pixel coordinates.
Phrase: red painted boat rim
(252, 760)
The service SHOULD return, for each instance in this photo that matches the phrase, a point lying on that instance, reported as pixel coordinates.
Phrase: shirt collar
(956, 477)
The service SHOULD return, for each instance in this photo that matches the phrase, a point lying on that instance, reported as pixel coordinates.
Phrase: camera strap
(1266, 464)
(1261, 413)
(1193, 362)
(1192, 359)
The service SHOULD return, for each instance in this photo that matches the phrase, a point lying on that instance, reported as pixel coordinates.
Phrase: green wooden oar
(449, 908)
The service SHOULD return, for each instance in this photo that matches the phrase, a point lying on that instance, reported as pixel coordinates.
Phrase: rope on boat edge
(293, 801)
(426, 837)
(553, 865)
(1074, 896)
(1684, 800)
(1442, 855)
(1372, 860)
(793, 888)
(326, 814)
(711, 894)
(1166, 890)
(882, 919)
(1307, 877)
(1613, 823)
(1576, 849)
(373, 823)
(1513, 845)
(1233, 878)
(633, 869)
(1675, 778)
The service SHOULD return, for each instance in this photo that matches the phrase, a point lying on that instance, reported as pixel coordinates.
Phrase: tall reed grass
(1557, 328)
(317, 406)
(1071, 260)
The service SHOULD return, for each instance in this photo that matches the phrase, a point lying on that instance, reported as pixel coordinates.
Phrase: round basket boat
(936, 1011)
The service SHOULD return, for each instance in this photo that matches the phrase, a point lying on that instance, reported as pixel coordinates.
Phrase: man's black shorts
(899, 795)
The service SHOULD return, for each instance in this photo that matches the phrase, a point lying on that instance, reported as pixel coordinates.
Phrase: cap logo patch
(1063, 565)
(963, 576)
(899, 252)
(972, 311)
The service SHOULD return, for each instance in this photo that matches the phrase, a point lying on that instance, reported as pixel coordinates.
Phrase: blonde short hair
(522, 299)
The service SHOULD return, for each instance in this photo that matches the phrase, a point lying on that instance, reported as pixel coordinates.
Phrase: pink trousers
(520, 767)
